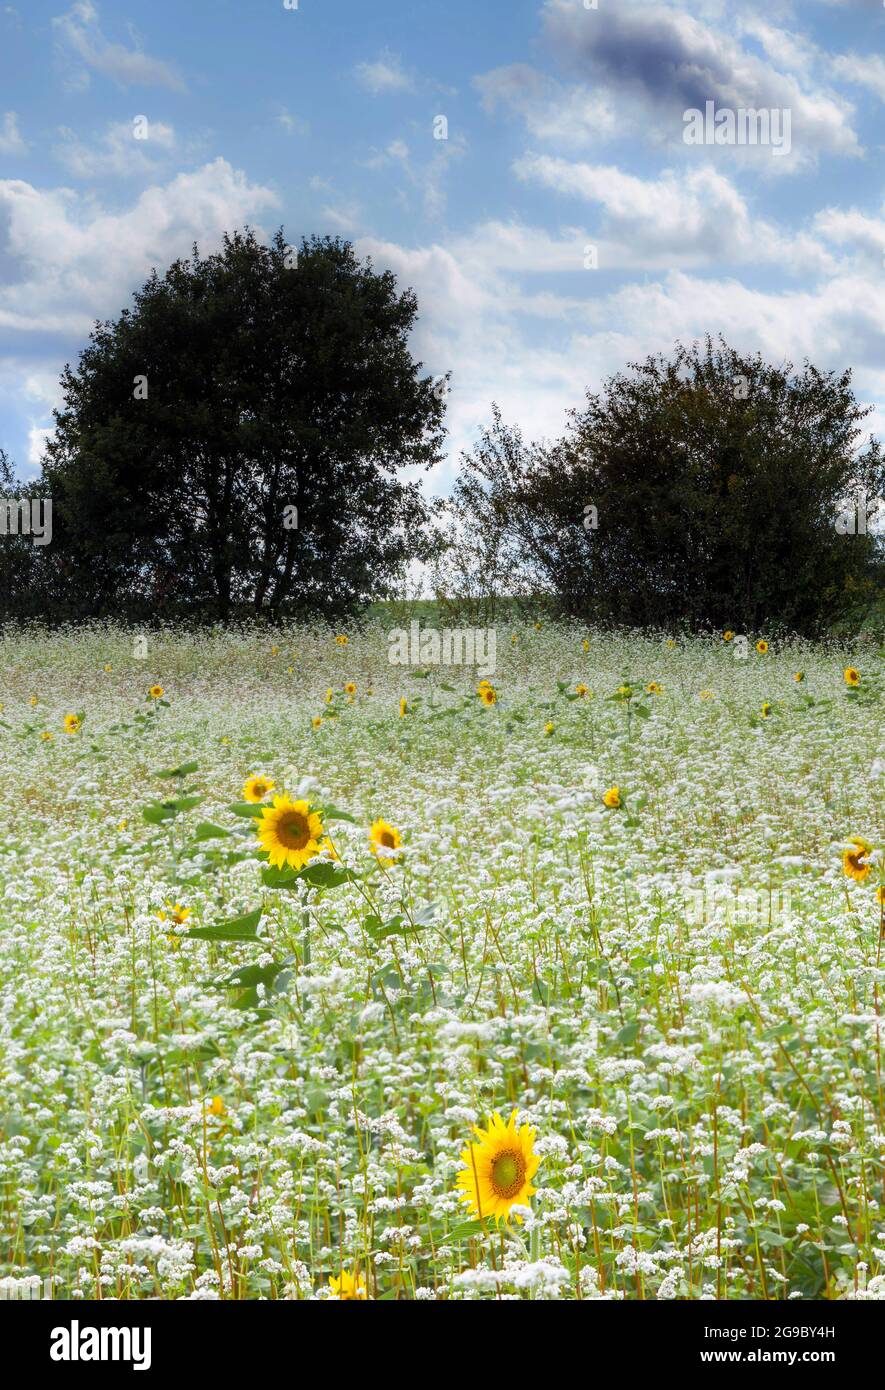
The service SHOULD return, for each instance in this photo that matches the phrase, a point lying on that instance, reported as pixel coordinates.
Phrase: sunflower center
(293, 830)
(508, 1173)
(387, 840)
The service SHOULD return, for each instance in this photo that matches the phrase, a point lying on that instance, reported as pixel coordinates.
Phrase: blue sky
(564, 130)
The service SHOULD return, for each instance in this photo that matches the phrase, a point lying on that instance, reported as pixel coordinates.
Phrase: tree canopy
(234, 441)
(699, 489)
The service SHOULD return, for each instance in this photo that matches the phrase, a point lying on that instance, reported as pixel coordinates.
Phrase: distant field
(678, 991)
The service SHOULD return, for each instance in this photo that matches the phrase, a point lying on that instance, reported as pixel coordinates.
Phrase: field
(677, 991)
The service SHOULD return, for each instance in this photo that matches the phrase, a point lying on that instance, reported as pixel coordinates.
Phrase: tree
(703, 489)
(233, 442)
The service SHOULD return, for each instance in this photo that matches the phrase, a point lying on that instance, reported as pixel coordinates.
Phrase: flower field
(322, 977)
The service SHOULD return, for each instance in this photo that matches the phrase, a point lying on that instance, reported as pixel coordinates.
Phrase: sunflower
(728, 636)
(762, 646)
(255, 789)
(513, 639)
(349, 1287)
(342, 640)
(880, 895)
(47, 735)
(708, 694)
(108, 667)
(612, 798)
(156, 692)
(403, 707)
(488, 695)
(350, 689)
(290, 832)
(549, 728)
(32, 701)
(854, 860)
(330, 695)
(654, 689)
(670, 643)
(765, 710)
(852, 676)
(383, 836)
(799, 677)
(586, 644)
(175, 913)
(582, 689)
(498, 1171)
(72, 723)
(316, 721)
(217, 1107)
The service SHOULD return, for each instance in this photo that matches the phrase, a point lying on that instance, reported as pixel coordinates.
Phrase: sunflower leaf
(243, 928)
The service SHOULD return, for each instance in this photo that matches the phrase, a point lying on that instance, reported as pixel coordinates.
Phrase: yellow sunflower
(217, 1107)
(349, 1287)
(799, 676)
(383, 836)
(255, 789)
(612, 798)
(586, 644)
(728, 636)
(350, 689)
(762, 646)
(342, 640)
(47, 735)
(880, 895)
(174, 912)
(854, 860)
(403, 707)
(316, 721)
(765, 710)
(488, 695)
(72, 723)
(654, 689)
(852, 676)
(498, 1171)
(290, 833)
(582, 689)
(549, 728)
(156, 692)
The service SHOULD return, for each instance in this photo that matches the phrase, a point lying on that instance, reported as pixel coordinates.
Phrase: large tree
(234, 441)
(699, 489)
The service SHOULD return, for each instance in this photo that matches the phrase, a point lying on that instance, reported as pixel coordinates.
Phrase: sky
(521, 164)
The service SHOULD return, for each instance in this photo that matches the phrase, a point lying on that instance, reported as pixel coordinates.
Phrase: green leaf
(628, 1034)
(183, 771)
(332, 813)
(206, 830)
(246, 808)
(235, 929)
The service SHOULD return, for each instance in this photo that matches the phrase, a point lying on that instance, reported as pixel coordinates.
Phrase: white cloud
(868, 71)
(72, 262)
(79, 32)
(11, 141)
(653, 62)
(384, 75)
(37, 437)
(117, 153)
(692, 218)
(566, 115)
